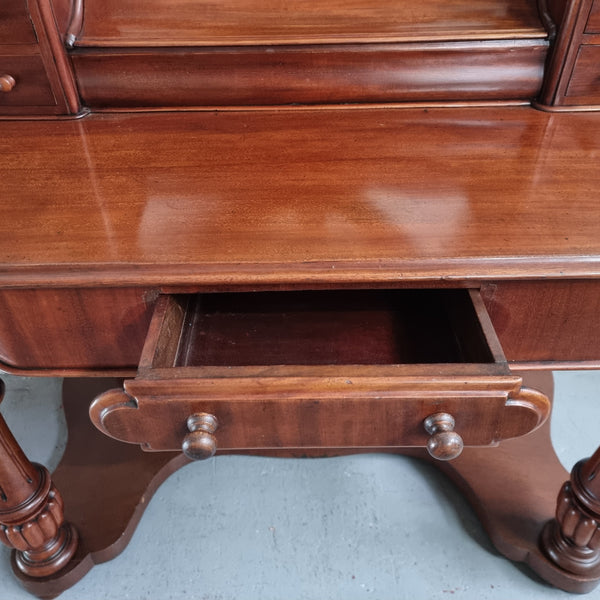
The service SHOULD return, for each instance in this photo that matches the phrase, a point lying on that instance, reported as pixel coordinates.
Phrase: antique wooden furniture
(349, 227)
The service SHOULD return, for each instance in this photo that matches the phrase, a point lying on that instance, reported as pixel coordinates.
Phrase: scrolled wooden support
(525, 411)
(572, 539)
(31, 512)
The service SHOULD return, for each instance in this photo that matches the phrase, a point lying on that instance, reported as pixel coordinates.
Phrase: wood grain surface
(189, 22)
(309, 196)
(593, 24)
(15, 25)
(584, 85)
(193, 53)
(310, 74)
(31, 83)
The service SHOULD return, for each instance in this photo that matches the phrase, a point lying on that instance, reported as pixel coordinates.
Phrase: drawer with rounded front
(336, 369)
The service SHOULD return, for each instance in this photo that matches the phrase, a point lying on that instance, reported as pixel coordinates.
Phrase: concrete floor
(374, 526)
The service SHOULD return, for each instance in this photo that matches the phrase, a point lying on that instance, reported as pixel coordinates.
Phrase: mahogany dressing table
(351, 227)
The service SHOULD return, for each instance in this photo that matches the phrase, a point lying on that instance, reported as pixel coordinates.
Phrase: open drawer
(320, 369)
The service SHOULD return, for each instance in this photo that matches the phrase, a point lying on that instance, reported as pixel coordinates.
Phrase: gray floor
(243, 528)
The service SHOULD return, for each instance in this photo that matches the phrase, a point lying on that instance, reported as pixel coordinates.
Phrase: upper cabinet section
(15, 23)
(35, 73)
(201, 53)
(267, 22)
(572, 80)
(67, 56)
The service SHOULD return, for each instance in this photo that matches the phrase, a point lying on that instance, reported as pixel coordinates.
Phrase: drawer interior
(332, 327)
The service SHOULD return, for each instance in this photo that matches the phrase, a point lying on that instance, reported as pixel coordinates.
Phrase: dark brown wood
(512, 514)
(7, 83)
(555, 9)
(200, 443)
(584, 85)
(571, 79)
(75, 23)
(572, 539)
(336, 74)
(63, 10)
(546, 320)
(390, 221)
(515, 498)
(44, 82)
(242, 22)
(593, 23)
(444, 443)
(31, 87)
(58, 67)
(536, 321)
(15, 25)
(106, 328)
(563, 53)
(103, 215)
(107, 486)
(312, 390)
(462, 207)
(324, 411)
(31, 512)
(331, 327)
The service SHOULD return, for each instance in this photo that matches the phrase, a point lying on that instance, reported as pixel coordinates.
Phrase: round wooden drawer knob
(200, 443)
(444, 443)
(7, 83)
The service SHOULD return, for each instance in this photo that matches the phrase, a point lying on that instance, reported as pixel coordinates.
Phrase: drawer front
(584, 86)
(31, 86)
(593, 24)
(549, 320)
(15, 23)
(310, 75)
(320, 370)
(324, 411)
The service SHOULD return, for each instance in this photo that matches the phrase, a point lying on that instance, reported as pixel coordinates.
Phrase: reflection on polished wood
(248, 197)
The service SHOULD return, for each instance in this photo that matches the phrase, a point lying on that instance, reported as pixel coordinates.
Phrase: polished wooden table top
(288, 196)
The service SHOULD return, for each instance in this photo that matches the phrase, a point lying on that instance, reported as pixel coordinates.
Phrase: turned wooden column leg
(31, 512)
(572, 539)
